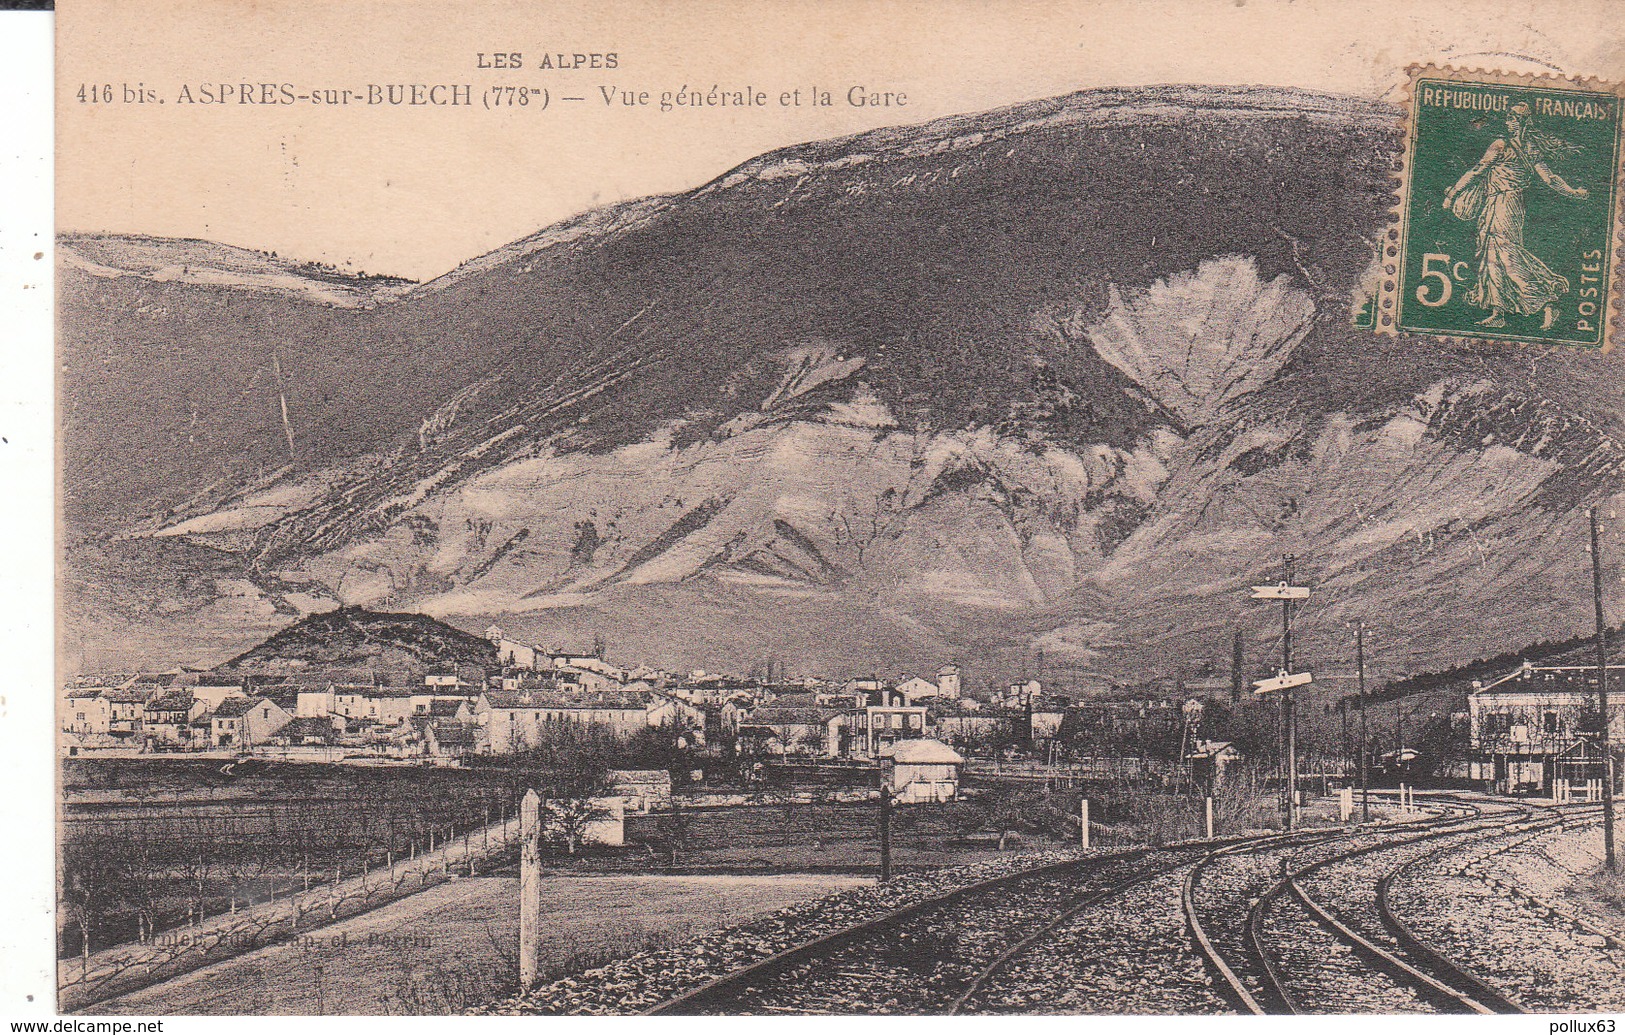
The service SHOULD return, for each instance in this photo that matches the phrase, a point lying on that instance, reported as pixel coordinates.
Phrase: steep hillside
(1053, 381)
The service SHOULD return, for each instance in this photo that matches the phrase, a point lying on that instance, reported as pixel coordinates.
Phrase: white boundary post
(530, 890)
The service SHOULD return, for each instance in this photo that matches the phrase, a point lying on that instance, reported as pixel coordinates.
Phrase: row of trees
(125, 876)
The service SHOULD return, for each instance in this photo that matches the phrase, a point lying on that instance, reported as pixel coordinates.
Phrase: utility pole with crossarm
(1602, 702)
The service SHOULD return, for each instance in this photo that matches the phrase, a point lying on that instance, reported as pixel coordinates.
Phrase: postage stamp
(1509, 211)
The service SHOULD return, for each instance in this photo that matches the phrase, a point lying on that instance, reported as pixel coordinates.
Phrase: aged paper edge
(1386, 300)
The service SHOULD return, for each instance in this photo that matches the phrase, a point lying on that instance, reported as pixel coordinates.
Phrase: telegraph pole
(1365, 741)
(1602, 700)
(1290, 705)
(1237, 680)
(1348, 750)
(885, 833)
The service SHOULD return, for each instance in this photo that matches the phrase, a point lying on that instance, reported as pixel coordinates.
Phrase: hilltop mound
(353, 637)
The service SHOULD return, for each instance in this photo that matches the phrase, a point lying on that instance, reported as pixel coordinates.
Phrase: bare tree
(91, 882)
(568, 820)
(676, 829)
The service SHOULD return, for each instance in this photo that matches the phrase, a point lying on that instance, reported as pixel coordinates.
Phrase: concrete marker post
(530, 890)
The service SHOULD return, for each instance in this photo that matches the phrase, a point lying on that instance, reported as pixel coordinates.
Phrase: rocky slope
(1043, 387)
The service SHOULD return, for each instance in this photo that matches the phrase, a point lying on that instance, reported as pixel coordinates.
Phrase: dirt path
(452, 946)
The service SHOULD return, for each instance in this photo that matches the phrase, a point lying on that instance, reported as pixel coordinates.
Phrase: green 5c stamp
(1509, 211)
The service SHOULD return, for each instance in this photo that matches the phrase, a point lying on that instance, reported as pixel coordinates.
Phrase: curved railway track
(938, 955)
(1285, 923)
(1279, 948)
(1450, 969)
(924, 957)
(1001, 963)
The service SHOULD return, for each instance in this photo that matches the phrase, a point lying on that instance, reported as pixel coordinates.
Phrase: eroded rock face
(1198, 341)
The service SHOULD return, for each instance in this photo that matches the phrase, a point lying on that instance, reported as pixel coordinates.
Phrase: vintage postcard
(755, 508)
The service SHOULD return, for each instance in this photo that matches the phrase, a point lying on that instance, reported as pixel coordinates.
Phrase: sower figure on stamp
(1510, 277)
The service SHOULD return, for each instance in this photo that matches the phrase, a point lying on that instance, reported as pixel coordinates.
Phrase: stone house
(86, 711)
(244, 722)
(796, 729)
(167, 718)
(1524, 723)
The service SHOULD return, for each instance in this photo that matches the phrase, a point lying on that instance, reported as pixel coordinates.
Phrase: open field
(454, 945)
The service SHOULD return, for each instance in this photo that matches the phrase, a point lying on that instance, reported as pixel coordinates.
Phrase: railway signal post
(1285, 682)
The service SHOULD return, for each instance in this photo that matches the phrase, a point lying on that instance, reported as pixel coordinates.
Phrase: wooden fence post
(530, 890)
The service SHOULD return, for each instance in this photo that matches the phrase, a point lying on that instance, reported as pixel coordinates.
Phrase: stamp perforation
(1388, 301)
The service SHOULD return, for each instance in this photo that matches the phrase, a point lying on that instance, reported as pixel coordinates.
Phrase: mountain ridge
(1051, 381)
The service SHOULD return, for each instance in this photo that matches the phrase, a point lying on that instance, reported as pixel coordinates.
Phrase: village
(1530, 729)
(536, 694)
(280, 789)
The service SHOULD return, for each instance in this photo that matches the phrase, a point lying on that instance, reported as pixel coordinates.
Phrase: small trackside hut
(921, 771)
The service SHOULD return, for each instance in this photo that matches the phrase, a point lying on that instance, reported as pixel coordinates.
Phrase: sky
(414, 190)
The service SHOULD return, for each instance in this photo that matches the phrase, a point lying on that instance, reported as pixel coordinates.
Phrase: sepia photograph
(1047, 507)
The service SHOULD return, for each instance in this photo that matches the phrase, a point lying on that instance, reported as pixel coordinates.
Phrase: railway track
(938, 955)
(1319, 937)
(1280, 923)
(926, 957)
(1447, 966)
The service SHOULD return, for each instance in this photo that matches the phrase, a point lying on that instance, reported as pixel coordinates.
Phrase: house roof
(382, 692)
(923, 752)
(1548, 679)
(1213, 748)
(608, 699)
(173, 701)
(778, 715)
(795, 701)
(441, 707)
(232, 707)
